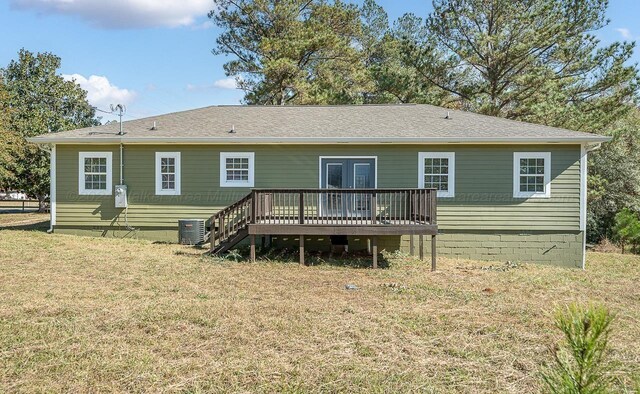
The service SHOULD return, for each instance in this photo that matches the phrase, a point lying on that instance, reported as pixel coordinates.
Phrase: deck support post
(421, 246)
(412, 250)
(212, 238)
(374, 251)
(302, 250)
(252, 238)
(433, 252)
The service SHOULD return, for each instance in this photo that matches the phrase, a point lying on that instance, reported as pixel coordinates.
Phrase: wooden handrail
(230, 220)
(345, 206)
(232, 206)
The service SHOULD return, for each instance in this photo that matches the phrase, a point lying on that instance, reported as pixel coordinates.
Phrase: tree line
(531, 60)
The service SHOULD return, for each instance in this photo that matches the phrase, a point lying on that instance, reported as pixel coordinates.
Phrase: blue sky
(155, 56)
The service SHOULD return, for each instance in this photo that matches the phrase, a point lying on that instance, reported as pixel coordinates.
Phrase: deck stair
(229, 226)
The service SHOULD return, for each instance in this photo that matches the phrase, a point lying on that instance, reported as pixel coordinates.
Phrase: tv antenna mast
(121, 109)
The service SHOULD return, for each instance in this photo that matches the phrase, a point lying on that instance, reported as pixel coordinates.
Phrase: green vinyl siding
(483, 183)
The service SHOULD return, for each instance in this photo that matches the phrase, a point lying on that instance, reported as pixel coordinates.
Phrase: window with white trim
(437, 170)
(168, 173)
(532, 174)
(94, 173)
(236, 169)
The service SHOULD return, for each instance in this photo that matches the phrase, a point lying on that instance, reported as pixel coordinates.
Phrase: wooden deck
(337, 227)
(302, 212)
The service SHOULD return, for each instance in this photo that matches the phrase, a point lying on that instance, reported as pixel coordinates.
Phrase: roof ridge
(254, 106)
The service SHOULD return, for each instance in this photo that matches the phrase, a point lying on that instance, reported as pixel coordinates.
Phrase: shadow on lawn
(41, 226)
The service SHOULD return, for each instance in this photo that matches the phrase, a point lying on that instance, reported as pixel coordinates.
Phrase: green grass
(100, 315)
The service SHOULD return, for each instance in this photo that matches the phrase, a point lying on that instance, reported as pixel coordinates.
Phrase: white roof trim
(305, 140)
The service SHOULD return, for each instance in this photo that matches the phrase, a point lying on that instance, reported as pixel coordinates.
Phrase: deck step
(231, 242)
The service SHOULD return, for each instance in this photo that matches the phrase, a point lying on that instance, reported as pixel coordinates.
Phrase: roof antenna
(233, 129)
(448, 116)
(121, 111)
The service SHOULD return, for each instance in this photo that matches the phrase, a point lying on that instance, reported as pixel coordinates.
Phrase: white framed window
(168, 173)
(437, 170)
(236, 169)
(532, 174)
(95, 173)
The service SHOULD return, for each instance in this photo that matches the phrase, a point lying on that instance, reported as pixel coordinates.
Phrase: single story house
(506, 190)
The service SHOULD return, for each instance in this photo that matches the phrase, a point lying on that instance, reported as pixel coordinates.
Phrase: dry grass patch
(88, 315)
(24, 219)
(607, 246)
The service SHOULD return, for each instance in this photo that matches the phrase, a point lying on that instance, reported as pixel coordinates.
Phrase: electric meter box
(121, 196)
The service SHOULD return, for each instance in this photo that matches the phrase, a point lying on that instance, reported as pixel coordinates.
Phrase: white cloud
(100, 92)
(625, 33)
(206, 25)
(116, 14)
(227, 83)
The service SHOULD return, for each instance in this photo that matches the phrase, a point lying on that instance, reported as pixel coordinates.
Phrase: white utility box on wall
(121, 196)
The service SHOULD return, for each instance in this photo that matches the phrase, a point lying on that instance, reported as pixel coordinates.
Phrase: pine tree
(532, 60)
(292, 51)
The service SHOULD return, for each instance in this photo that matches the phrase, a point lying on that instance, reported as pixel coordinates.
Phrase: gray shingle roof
(318, 124)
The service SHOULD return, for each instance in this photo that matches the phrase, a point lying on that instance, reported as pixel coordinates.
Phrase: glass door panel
(334, 179)
(361, 180)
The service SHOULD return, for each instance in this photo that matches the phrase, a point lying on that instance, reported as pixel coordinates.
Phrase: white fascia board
(304, 140)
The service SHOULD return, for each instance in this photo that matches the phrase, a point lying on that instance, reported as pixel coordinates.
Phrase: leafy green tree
(580, 366)
(627, 228)
(6, 139)
(8, 142)
(39, 101)
(4, 108)
(532, 60)
(614, 177)
(291, 51)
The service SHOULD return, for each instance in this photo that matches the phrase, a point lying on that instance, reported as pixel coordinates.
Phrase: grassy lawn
(94, 315)
(30, 220)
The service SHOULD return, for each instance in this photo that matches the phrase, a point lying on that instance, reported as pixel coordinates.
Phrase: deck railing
(344, 207)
